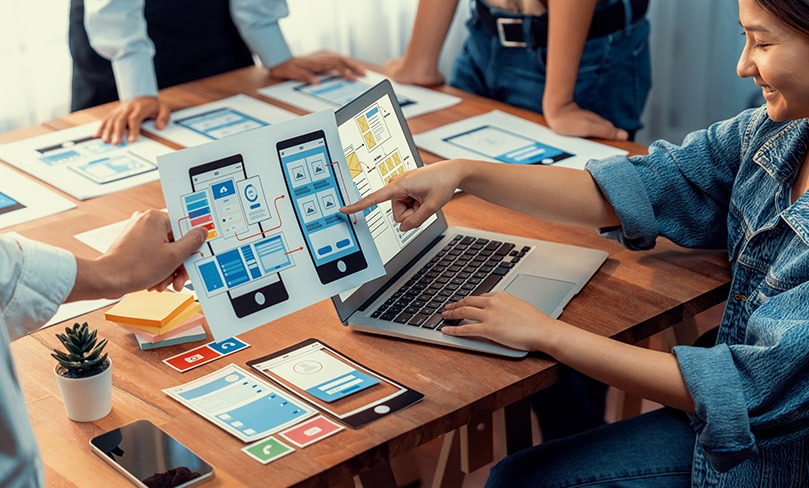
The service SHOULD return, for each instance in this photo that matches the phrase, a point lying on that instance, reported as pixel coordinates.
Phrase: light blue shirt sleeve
(116, 29)
(257, 22)
(34, 280)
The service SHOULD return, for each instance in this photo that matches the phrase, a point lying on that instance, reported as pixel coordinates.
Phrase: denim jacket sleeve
(679, 192)
(755, 392)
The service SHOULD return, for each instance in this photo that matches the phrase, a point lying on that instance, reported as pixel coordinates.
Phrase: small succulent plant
(81, 356)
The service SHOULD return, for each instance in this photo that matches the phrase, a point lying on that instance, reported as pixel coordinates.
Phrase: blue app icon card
(228, 346)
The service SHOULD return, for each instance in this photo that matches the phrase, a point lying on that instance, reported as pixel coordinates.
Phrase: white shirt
(116, 29)
(34, 280)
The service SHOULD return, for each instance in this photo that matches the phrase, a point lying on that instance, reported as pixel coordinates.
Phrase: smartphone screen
(149, 457)
(314, 191)
(246, 261)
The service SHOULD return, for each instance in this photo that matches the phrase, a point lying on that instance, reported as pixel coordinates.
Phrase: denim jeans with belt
(613, 81)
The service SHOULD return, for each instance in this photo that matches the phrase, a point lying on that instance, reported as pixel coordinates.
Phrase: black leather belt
(512, 31)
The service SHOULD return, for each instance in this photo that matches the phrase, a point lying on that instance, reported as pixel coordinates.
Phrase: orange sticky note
(149, 308)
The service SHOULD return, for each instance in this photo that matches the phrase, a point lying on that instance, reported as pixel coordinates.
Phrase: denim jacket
(730, 185)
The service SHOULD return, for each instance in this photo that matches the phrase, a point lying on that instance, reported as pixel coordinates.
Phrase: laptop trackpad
(544, 293)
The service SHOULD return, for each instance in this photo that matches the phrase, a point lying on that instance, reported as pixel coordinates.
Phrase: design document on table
(23, 199)
(216, 120)
(80, 164)
(500, 137)
(270, 200)
(334, 92)
(241, 404)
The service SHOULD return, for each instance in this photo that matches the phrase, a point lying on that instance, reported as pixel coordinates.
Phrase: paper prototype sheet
(23, 200)
(257, 264)
(216, 120)
(240, 403)
(80, 165)
(501, 137)
(334, 92)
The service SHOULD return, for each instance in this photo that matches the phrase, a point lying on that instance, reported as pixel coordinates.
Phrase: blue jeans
(653, 450)
(613, 81)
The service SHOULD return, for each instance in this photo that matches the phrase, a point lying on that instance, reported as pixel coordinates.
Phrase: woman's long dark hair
(794, 13)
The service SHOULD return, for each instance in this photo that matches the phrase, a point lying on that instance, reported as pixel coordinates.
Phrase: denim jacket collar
(781, 157)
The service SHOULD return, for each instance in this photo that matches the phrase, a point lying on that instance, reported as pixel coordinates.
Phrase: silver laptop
(435, 264)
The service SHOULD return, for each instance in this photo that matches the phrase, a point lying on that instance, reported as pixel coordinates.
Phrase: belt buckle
(501, 32)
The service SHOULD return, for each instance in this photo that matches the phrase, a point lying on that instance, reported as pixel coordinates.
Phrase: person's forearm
(433, 19)
(558, 194)
(649, 374)
(568, 23)
(93, 282)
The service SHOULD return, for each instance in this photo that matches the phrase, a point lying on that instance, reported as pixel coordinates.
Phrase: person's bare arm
(144, 256)
(419, 65)
(558, 194)
(568, 23)
(505, 319)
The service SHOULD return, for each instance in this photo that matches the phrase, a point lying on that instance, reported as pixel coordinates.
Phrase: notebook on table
(436, 264)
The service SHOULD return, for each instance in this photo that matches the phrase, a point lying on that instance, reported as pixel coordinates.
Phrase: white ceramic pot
(86, 399)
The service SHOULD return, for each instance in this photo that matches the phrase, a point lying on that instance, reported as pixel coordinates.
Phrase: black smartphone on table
(149, 457)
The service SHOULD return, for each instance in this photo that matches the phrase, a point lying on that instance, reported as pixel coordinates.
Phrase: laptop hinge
(398, 275)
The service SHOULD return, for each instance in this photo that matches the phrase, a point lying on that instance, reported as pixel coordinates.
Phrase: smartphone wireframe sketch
(314, 191)
(149, 457)
(233, 238)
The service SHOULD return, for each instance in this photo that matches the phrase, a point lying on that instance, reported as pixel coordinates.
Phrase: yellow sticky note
(149, 308)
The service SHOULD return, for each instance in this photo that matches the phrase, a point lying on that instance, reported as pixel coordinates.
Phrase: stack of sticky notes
(159, 319)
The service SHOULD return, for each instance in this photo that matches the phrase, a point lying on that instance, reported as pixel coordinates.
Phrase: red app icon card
(193, 358)
(311, 431)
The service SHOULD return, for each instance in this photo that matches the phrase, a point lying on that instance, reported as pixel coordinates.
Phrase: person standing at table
(128, 49)
(584, 64)
(35, 279)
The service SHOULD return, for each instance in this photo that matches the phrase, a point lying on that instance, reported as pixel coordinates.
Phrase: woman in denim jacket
(742, 184)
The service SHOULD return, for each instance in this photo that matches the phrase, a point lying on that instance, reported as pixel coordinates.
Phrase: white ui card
(216, 120)
(81, 165)
(270, 200)
(501, 137)
(241, 404)
(23, 200)
(334, 92)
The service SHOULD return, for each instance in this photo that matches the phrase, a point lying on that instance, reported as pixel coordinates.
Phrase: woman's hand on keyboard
(502, 318)
(415, 195)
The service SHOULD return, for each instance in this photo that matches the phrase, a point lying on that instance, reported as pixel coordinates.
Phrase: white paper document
(74, 309)
(501, 137)
(216, 120)
(270, 200)
(23, 200)
(241, 404)
(102, 238)
(83, 166)
(333, 92)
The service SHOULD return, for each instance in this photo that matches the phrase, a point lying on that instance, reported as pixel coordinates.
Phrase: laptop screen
(378, 146)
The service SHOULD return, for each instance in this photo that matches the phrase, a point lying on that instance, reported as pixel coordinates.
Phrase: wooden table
(633, 295)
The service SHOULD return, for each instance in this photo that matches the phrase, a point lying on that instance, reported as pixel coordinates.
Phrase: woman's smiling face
(777, 58)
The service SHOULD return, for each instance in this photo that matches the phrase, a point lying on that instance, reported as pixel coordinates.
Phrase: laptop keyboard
(466, 266)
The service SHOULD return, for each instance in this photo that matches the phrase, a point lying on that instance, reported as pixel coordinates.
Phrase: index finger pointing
(383, 194)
